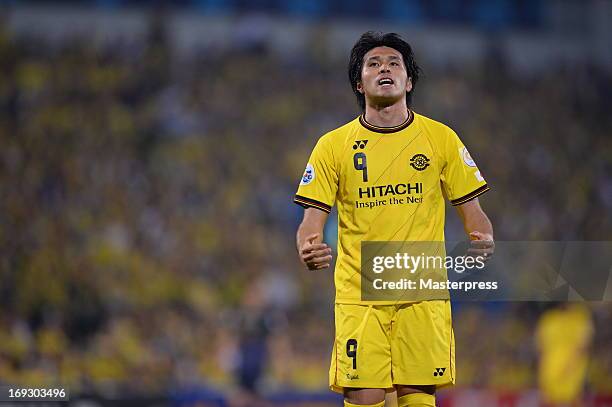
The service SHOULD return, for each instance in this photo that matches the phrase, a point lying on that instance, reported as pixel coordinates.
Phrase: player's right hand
(316, 256)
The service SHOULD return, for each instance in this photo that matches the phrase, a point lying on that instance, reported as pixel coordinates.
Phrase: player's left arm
(478, 227)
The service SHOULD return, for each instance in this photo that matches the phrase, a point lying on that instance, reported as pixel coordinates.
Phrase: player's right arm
(316, 194)
(313, 253)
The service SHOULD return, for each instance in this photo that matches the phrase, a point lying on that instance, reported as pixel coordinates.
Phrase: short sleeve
(461, 178)
(319, 182)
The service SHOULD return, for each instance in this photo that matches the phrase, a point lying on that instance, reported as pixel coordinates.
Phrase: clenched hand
(316, 256)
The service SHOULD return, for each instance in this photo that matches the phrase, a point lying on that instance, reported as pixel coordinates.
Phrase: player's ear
(409, 84)
(360, 87)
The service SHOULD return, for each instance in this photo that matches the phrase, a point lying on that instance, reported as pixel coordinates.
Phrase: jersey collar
(393, 129)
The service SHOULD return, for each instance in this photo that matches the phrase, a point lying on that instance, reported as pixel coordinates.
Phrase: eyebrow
(378, 57)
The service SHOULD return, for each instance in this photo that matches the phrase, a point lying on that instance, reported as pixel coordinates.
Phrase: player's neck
(387, 116)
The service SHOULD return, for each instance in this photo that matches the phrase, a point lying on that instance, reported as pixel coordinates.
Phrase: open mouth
(385, 81)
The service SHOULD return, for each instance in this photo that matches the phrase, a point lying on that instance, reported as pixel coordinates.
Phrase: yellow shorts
(379, 346)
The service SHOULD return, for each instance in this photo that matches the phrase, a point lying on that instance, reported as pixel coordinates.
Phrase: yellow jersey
(389, 184)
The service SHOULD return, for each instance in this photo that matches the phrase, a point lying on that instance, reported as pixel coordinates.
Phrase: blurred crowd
(147, 227)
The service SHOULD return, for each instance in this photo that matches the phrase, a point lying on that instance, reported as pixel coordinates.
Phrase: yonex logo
(360, 144)
(439, 371)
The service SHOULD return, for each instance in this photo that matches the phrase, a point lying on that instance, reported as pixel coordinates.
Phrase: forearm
(315, 254)
(478, 222)
(474, 218)
(306, 229)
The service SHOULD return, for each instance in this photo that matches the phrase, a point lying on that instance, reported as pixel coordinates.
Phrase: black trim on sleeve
(481, 190)
(311, 203)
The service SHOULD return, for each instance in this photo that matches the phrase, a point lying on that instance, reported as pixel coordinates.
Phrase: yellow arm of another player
(313, 253)
(478, 226)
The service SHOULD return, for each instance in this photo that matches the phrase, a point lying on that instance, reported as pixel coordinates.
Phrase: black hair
(367, 42)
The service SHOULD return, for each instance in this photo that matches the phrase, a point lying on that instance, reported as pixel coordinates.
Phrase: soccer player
(388, 151)
(563, 336)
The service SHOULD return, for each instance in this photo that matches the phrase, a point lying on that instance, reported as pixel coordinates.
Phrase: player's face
(384, 79)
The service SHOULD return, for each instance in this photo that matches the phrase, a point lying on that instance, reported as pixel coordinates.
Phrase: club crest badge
(419, 162)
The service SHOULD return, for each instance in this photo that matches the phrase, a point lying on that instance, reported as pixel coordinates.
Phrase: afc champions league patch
(309, 174)
(467, 158)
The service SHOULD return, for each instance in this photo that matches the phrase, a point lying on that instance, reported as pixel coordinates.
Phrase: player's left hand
(481, 245)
